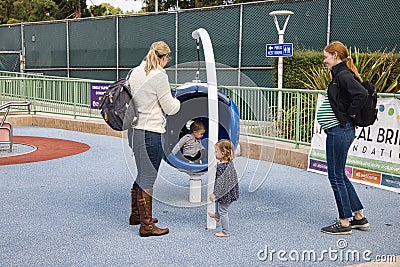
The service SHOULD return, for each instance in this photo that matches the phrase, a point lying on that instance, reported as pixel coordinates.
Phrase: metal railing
(258, 109)
(257, 106)
(50, 94)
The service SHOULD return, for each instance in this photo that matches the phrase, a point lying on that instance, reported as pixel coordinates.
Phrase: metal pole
(212, 115)
(22, 57)
(117, 43)
(281, 32)
(67, 29)
(176, 45)
(280, 79)
(298, 110)
(328, 30)
(195, 188)
(240, 44)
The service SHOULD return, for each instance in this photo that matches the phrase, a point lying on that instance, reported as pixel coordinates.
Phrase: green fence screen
(106, 48)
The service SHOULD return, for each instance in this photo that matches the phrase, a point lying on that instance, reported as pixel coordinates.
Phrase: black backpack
(117, 106)
(369, 113)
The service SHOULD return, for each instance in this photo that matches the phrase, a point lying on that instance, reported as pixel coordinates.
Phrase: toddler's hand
(212, 197)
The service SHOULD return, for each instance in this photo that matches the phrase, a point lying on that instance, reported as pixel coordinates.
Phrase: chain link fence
(106, 48)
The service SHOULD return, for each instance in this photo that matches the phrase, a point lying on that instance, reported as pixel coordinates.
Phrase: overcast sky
(125, 5)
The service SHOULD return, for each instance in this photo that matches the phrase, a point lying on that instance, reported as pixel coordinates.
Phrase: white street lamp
(281, 32)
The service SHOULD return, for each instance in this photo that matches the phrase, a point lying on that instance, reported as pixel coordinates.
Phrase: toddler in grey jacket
(191, 143)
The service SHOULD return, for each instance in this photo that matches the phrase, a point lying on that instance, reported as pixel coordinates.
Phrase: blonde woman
(152, 94)
(345, 98)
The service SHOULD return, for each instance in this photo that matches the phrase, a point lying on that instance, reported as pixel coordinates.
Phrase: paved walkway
(73, 211)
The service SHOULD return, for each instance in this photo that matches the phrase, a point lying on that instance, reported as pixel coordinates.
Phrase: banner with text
(97, 91)
(374, 156)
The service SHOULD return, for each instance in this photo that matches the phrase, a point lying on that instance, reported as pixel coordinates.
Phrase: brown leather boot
(147, 227)
(134, 219)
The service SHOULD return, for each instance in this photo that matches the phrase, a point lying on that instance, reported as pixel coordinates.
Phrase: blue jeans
(147, 148)
(338, 141)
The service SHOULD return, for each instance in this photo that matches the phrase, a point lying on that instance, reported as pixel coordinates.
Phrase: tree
(25, 10)
(72, 9)
(165, 5)
(105, 10)
(98, 10)
(41, 10)
(12, 11)
(6, 8)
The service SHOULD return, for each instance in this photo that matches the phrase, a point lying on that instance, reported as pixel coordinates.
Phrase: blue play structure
(194, 106)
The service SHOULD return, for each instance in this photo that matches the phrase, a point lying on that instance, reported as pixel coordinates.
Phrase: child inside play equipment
(190, 143)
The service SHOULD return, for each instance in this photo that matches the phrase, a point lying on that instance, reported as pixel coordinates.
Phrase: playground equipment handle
(212, 114)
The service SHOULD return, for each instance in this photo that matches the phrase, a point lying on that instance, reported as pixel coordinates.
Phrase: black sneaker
(337, 229)
(361, 224)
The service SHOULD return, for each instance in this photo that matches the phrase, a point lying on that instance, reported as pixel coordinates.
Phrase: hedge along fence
(310, 63)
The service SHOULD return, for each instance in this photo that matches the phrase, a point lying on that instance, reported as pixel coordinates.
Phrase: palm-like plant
(316, 78)
(376, 67)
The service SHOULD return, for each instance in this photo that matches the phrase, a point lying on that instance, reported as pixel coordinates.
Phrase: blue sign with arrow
(279, 50)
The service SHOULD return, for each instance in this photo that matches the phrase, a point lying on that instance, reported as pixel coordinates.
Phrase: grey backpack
(117, 106)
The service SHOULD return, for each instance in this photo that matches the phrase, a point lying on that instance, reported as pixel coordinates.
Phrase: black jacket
(345, 93)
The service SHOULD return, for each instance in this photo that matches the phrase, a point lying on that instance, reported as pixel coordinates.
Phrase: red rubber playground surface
(46, 149)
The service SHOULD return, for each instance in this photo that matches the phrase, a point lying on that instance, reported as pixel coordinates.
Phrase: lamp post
(281, 32)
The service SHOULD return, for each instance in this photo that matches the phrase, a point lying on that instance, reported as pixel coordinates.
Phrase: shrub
(306, 70)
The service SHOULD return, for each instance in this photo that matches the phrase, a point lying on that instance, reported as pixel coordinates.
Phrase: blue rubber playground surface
(73, 211)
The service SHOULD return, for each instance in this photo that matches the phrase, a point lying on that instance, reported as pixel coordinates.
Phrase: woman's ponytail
(151, 61)
(156, 52)
(353, 68)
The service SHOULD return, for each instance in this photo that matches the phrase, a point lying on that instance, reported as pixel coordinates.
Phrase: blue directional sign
(279, 50)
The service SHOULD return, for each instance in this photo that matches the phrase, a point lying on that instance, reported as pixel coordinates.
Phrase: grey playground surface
(73, 211)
